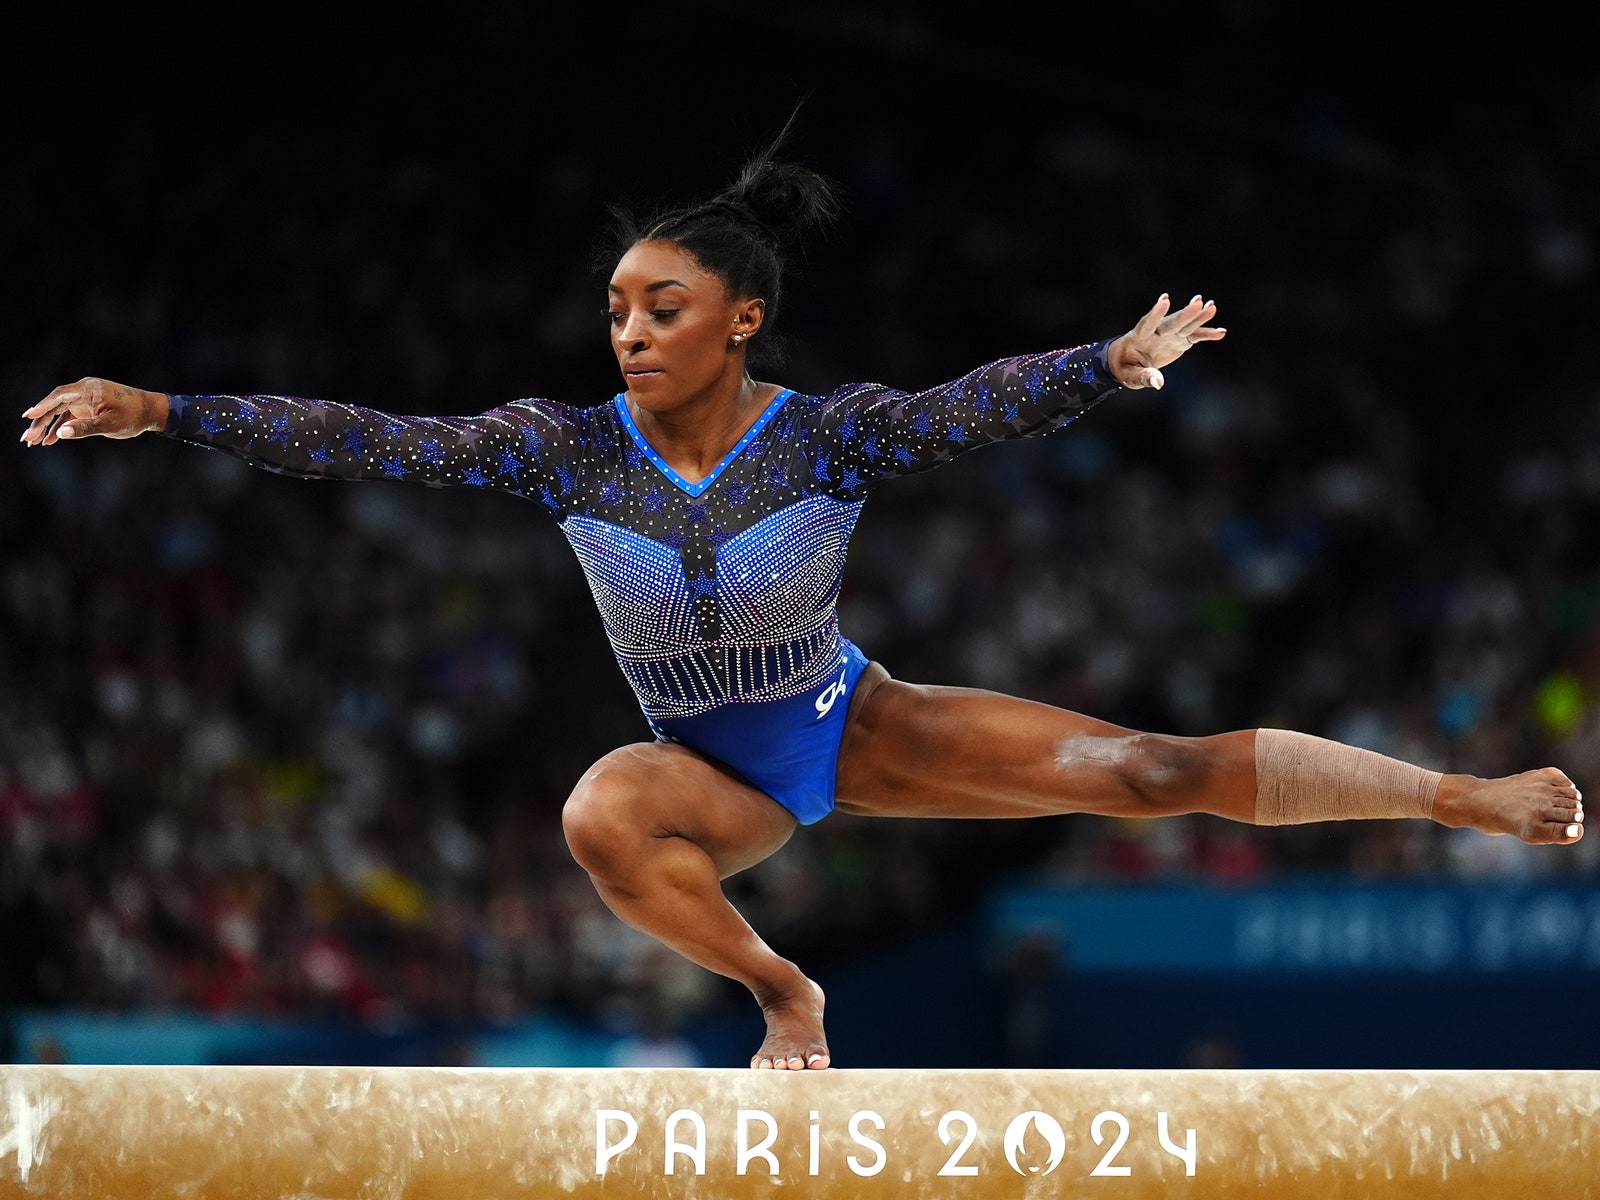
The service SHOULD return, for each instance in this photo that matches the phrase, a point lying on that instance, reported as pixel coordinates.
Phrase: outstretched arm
(520, 448)
(868, 432)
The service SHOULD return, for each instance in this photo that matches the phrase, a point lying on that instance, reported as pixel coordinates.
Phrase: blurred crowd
(275, 746)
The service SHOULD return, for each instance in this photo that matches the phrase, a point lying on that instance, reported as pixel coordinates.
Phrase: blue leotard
(719, 597)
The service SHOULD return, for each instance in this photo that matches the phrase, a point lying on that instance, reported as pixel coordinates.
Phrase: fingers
(42, 430)
(88, 408)
(1189, 320)
(1186, 326)
(1148, 323)
(46, 430)
(45, 418)
(56, 401)
(78, 427)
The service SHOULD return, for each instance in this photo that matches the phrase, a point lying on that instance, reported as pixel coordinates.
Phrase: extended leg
(658, 827)
(913, 750)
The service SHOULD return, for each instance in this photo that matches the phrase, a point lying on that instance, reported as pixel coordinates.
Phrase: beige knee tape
(1300, 778)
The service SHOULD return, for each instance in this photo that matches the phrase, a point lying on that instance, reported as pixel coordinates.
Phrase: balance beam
(419, 1133)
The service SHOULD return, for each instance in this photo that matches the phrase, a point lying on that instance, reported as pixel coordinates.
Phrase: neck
(696, 435)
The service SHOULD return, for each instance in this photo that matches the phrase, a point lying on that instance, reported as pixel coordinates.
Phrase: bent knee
(1160, 770)
(605, 814)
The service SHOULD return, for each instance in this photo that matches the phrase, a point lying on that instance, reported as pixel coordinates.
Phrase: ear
(747, 318)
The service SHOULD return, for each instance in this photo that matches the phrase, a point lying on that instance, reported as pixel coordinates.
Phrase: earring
(738, 337)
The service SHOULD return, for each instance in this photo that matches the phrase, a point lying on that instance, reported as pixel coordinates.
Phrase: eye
(613, 316)
(664, 314)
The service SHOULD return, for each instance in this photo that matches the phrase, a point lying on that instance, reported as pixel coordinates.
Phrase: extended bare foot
(1543, 807)
(795, 1040)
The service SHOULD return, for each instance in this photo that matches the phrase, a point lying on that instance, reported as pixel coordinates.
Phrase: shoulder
(841, 395)
(537, 408)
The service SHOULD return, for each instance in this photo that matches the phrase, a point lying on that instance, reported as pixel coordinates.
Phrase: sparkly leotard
(719, 597)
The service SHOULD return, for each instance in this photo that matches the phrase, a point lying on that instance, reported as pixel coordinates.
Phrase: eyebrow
(654, 287)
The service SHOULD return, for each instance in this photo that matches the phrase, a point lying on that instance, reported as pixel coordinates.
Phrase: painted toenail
(1572, 830)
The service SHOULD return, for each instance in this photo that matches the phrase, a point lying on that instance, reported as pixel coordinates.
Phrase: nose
(630, 332)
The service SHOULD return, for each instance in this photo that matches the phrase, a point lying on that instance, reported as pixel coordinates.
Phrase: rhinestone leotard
(719, 597)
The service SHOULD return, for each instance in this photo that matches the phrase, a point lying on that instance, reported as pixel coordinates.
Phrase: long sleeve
(528, 448)
(864, 432)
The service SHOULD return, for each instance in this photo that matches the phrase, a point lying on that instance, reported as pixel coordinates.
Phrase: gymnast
(711, 514)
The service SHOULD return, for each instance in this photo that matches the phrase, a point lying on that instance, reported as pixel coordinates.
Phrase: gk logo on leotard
(830, 694)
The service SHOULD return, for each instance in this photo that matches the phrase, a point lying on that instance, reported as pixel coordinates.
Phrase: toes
(779, 1062)
(818, 1062)
(1558, 778)
(1560, 832)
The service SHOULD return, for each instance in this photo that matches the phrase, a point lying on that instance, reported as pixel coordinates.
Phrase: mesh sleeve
(865, 432)
(524, 448)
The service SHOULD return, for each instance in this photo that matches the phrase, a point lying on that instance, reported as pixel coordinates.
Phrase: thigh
(666, 789)
(930, 751)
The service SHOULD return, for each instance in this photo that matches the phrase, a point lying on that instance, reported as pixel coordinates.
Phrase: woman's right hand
(94, 407)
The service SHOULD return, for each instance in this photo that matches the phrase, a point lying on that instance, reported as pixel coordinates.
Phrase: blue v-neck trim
(678, 481)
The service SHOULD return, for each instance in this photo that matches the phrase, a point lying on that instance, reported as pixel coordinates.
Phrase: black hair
(748, 234)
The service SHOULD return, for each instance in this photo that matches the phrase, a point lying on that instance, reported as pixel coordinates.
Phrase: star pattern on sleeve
(282, 431)
(294, 436)
(877, 432)
(511, 465)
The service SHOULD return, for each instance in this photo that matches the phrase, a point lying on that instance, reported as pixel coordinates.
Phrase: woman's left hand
(1160, 337)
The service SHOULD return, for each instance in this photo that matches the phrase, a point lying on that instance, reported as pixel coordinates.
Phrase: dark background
(295, 748)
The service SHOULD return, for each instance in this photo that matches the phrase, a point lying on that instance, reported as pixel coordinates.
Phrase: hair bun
(789, 200)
